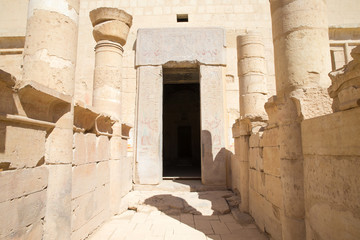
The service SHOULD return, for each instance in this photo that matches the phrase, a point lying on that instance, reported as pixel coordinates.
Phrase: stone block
(104, 14)
(332, 182)
(102, 173)
(59, 145)
(323, 135)
(235, 172)
(257, 181)
(25, 151)
(290, 141)
(126, 175)
(115, 184)
(273, 190)
(256, 202)
(271, 161)
(266, 215)
(270, 138)
(149, 160)
(327, 222)
(244, 185)
(251, 66)
(254, 140)
(253, 83)
(116, 148)
(102, 148)
(102, 194)
(33, 231)
(83, 179)
(292, 177)
(205, 45)
(18, 183)
(90, 226)
(114, 30)
(256, 158)
(22, 212)
(252, 105)
(90, 141)
(83, 210)
(79, 149)
(58, 202)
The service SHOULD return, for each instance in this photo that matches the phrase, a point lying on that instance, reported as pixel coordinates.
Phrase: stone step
(179, 186)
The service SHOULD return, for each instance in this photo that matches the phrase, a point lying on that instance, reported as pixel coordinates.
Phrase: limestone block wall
(23, 181)
(24, 176)
(331, 175)
(331, 152)
(90, 183)
(265, 190)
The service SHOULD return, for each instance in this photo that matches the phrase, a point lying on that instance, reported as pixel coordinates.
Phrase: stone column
(252, 76)
(300, 36)
(253, 95)
(50, 45)
(111, 27)
(49, 60)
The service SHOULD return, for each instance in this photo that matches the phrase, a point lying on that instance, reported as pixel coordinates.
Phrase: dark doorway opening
(181, 123)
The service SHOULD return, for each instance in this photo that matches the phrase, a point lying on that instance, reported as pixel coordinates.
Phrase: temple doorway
(181, 123)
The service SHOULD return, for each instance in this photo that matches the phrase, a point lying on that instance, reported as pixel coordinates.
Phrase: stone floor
(174, 211)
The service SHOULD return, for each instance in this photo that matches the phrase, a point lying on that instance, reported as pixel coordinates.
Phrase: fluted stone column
(49, 60)
(111, 27)
(253, 95)
(300, 36)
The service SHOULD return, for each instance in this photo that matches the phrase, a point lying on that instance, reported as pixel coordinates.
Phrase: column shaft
(51, 43)
(302, 61)
(107, 78)
(253, 95)
(49, 59)
(252, 76)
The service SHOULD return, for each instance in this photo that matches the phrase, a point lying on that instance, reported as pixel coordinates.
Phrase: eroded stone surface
(159, 46)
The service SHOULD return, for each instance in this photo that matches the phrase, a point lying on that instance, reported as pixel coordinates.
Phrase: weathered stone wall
(90, 183)
(265, 190)
(331, 174)
(23, 177)
(99, 179)
(331, 151)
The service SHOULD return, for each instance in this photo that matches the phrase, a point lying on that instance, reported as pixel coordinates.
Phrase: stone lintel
(157, 46)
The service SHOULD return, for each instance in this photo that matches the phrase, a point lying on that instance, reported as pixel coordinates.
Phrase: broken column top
(104, 14)
(110, 24)
(345, 87)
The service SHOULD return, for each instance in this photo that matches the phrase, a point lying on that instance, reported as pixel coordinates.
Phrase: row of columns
(301, 46)
(49, 59)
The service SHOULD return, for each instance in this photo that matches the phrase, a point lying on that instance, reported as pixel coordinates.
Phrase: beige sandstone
(82, 131)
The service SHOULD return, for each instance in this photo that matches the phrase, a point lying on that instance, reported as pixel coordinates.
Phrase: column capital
(110, 24)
